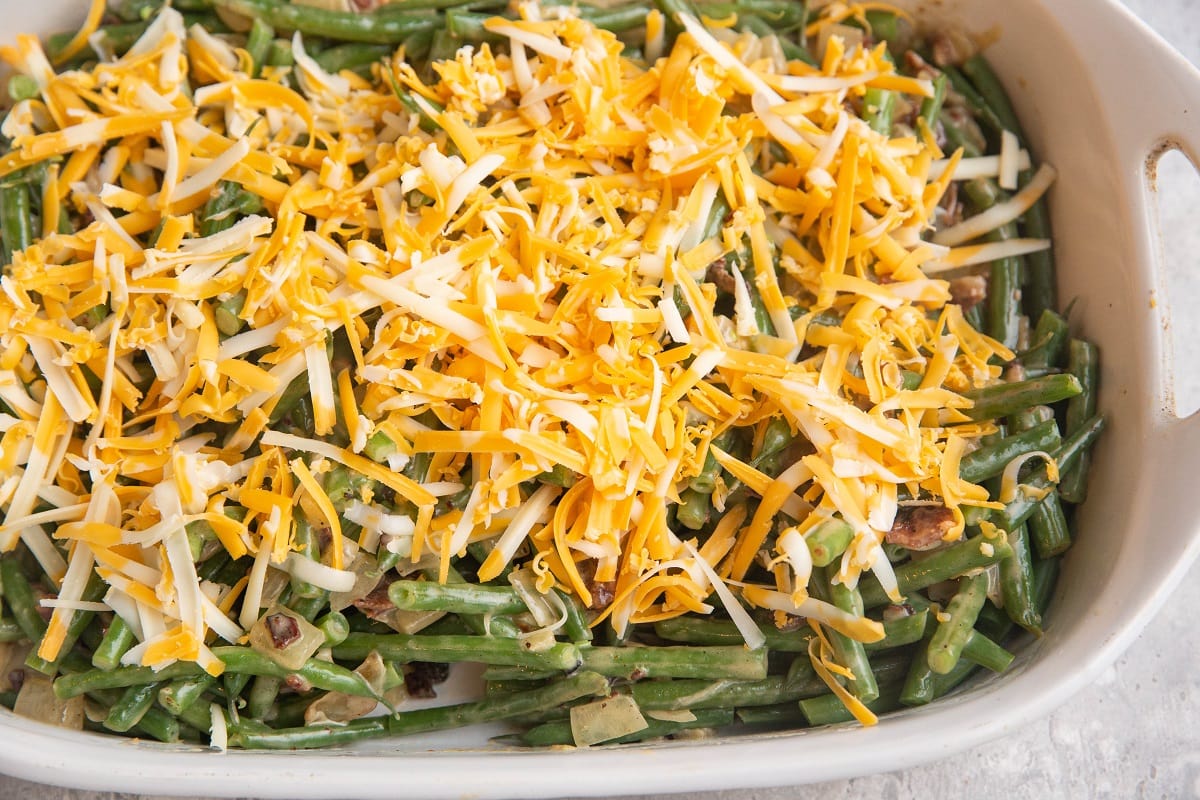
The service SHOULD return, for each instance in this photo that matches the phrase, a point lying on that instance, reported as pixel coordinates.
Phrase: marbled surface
(1135, 732)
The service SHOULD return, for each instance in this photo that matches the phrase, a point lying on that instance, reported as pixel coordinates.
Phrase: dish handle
(1158, 112)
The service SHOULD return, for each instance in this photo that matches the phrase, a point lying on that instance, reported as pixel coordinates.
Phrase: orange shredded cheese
(525, 292)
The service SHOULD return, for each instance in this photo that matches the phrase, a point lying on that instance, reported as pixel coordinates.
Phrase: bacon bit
(421, 676)
(968, 291)
(284, 630)
(920, 527)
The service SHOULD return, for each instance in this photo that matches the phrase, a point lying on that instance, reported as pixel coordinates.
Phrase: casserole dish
(1112, 583)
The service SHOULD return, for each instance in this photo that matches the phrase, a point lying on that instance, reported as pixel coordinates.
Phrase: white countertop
(1134, 732)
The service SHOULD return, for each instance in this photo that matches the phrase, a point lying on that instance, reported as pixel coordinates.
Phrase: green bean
(178, 695)
(946, 644)
(828, 540)
(1045, 576)
(1016, 583)
(878, 105)
(10, 631)
(1003, 399)
(309, 607)
(279, 54)
(828, 709)
(68, 686)
(501, 672)
(848, 652)
(117, 38)
(132, 706)
(706, 482)
(693, 509)
(463, 25)
(576, 625)
(944, 684)
(733, 662)
(918, 686)
(404, 648)
(1049, 341)
(1031, 417)
(783, 15)
(335, 626)
(374, 26)
(352, 56)
(22, 87)
(975, 101)
(782, 716)
(1048, 527)
(264, 691)
(1082, 362)
(585, 684)
(479, 623)
(16, 217)
(258, 45)
(618, 19)
(19, 596)
(932, 106)
(456, 598)
(1067, 455)
(950, 562)
(307, 545)
(704, 631)
(116, 642)
(981, 650)
(1040, 293)
(218, 213)
(233, 685)
(79, 622)
(991, 92)
(674, 10)
(159, 725)
(319, 674)
(1004, 281)
(990, 460)
(694, 694)
(227, 313)
(900, 631)
(558, 732)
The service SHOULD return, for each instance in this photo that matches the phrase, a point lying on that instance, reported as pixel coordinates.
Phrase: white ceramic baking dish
(1101, 96)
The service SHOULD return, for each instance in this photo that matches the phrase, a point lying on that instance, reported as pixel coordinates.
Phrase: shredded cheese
(529, 292)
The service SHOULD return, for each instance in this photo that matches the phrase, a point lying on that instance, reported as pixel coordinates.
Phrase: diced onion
(606, 719)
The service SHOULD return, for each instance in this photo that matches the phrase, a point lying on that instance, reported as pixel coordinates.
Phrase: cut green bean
(698, 630)
(20, 598)
(371, 27)
(1083, 363)
(946, 644)
(179, 695)
(848, 652)
(737, 663)
(116, 642)
(828, 709)
(403, 648)
(585, 684)
(456, 598)
(1016, 583)
(1003, 399)
(981, 650)
(950, 562)
(990, 460)
(558, 732)
(828, 540)
(132, 706)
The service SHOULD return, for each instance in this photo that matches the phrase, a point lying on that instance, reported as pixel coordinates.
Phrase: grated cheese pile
(534, 273)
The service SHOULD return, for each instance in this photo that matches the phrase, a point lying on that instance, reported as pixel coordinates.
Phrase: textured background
(1134, 733)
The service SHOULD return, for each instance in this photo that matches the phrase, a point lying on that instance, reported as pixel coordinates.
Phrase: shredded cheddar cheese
(528, 289)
